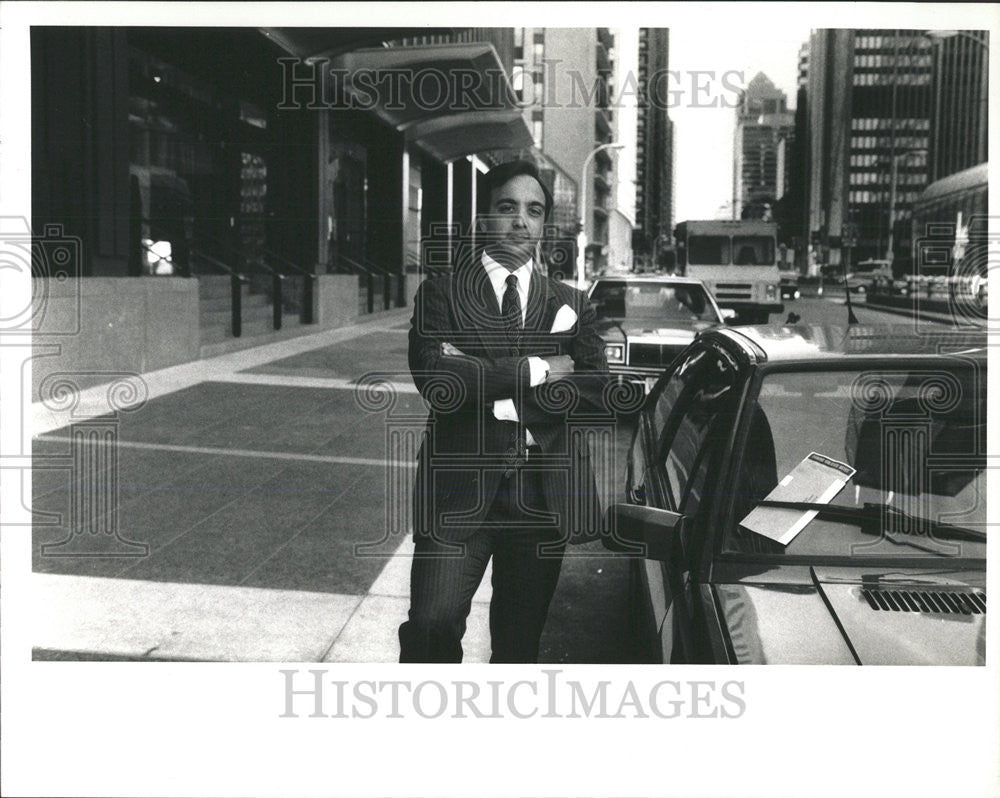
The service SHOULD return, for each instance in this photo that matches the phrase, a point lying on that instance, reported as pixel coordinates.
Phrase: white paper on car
(817, 479)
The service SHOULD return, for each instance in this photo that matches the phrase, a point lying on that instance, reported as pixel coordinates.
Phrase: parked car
(743, 439)
(646, 321)
(789, 284)
(860, 282)
(868, 272)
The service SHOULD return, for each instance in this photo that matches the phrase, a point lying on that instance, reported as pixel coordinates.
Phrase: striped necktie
(510, 310)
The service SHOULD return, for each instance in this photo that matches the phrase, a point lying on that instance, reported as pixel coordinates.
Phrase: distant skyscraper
(654, 189)
(764, 127)
(803, 74)
(959, 117)
(868, 101)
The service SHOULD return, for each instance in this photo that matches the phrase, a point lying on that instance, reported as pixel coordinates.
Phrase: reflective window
(693, 418)
(658, 302)
(916, 440)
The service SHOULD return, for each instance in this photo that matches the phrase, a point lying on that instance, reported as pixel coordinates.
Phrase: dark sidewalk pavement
(252, 478)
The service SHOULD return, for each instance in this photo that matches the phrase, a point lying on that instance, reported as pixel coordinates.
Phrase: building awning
(314, 44)
(451, 100)
(457, 135)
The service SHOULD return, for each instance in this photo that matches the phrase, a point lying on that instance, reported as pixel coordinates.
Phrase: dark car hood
(666, 333)
(919, 621)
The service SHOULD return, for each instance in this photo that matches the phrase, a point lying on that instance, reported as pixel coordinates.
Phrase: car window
(916, 440)
(694, 414)
(660, 302)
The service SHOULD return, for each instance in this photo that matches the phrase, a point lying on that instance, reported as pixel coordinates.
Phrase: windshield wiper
(869, 518)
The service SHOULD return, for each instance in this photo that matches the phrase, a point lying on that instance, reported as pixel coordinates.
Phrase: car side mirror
(646, 531)
(728, 314)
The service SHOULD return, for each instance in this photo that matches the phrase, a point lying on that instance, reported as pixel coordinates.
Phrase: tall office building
(803, 72)
(669, 200)
(210, 153)
(960, 103)
(792, 211)
(654, 193)
(569, 73)
(764, 129)
(868, 98)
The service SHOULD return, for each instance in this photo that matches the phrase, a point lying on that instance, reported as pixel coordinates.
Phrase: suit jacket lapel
(542, 305)
(534, 315)
(477, 310)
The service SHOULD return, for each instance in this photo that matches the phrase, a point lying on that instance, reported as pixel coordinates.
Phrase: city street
(267, 531)
(284, 289)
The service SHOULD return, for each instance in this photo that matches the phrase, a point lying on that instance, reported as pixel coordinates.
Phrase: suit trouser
(444, 580)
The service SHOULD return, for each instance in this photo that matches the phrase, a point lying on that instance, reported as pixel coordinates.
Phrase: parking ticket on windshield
(817, 479)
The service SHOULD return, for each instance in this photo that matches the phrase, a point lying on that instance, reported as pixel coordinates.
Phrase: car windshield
(648, 301)
(910, 444)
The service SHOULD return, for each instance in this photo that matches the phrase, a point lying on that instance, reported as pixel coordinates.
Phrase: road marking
(212, 450)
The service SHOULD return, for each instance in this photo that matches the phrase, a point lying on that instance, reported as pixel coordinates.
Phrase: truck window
(753, 250)
(708, 250)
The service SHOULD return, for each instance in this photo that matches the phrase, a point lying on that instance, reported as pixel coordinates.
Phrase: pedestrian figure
(507, 359)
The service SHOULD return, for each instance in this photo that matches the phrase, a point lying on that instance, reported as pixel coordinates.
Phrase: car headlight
(769, 292)
(615, 353)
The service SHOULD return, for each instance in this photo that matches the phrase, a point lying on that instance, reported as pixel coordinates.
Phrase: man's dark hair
(501, 173)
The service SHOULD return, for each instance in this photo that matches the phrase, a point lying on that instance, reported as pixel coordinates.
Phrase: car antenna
(851, 318)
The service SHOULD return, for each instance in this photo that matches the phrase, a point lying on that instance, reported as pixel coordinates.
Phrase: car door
(691, 425)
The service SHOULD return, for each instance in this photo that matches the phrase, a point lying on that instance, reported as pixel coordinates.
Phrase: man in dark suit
(515, 375)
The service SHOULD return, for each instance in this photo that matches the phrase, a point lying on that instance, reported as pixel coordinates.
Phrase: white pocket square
(564, 320)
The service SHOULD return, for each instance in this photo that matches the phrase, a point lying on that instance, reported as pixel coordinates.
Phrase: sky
(704, 135)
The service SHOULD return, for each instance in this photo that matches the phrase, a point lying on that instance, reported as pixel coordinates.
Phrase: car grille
(655, 355)
(944, 602)
(733, 290)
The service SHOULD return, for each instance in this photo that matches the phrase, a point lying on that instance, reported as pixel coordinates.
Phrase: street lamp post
(581, 255)
(892, 196)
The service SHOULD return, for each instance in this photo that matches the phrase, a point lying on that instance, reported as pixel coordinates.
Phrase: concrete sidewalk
(250, 479)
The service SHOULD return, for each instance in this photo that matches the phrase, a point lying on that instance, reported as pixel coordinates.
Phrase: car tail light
(770, 292)
(615, 353)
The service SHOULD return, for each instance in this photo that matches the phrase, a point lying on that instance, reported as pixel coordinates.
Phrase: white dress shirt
(503, 409)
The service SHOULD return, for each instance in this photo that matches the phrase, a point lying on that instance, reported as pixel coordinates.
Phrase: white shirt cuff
(504, 410)
(539, 370)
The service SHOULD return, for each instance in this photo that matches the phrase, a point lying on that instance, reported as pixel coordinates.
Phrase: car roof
(649, 278)
(796, 343)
